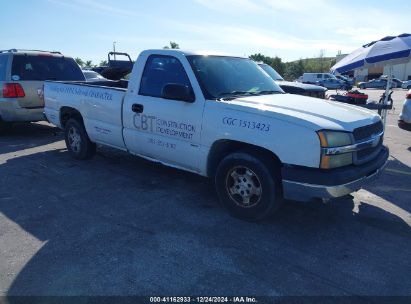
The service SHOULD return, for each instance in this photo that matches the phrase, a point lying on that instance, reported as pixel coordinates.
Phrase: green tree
(260, 58)
(294, 70)
(88, 64)
(173, 45)
(278, 65)
(79, 61)
(275, 62)
(103, 63)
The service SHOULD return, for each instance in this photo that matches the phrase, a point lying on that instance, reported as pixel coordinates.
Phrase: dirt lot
(118, 224)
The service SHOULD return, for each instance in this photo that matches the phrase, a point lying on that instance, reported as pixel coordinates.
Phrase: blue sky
(288, 29)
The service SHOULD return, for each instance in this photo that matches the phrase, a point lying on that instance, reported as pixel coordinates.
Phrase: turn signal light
(13, 90)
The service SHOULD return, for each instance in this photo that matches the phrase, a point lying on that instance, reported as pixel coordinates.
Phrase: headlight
(331, 139)
(335, 161)
(334, 139)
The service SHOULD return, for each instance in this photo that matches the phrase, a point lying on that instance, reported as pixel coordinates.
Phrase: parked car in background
(294, 87)
(406, 84)
(22, 74)
(374, 84)
(398, 83)
(92, 76)
(347, 80)
(335, 84)
(314, 77)
(404, 121)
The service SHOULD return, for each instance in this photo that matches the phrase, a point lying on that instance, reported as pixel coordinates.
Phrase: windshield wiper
(236, 94)
(267, 92)
(232, 95)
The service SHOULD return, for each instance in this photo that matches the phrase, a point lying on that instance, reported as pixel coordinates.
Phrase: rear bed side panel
(100, 108)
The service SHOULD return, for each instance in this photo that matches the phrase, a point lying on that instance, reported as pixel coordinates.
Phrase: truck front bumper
(306, 184)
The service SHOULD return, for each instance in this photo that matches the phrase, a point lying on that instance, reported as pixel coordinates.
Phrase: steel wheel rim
(74, 139)
(243, 186)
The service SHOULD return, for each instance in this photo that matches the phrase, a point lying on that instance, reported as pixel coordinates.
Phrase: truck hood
(309, 112)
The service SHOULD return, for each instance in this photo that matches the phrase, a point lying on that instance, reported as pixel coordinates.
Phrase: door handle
(138, 108)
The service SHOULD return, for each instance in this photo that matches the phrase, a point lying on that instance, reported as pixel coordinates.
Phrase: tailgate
(32, 99)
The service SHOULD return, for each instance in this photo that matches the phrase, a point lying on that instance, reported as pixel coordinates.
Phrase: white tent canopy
(388, 51)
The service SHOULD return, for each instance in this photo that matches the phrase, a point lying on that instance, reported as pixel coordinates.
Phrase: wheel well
(67, 113)
(222, 148)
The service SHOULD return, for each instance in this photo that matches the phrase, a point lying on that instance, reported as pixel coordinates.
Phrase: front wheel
(5, 126)
(248, 186)
(77, 141)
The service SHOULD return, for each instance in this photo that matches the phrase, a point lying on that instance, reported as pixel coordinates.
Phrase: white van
(314, 77)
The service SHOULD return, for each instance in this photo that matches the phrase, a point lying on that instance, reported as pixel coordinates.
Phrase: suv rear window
(3, 65)
(40, 67)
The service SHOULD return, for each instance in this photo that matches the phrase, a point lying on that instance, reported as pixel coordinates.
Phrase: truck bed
(99, 103)
(117, 84)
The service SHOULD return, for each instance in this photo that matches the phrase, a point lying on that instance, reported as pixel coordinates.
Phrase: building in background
(401, 71)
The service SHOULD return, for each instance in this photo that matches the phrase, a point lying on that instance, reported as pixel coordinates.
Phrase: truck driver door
(161, 125)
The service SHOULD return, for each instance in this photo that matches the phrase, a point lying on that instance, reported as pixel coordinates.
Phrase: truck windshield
(270, 71)
(230, 77)
(39, 67)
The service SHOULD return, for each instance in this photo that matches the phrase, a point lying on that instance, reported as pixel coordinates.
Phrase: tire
(362, 87)
(77, 141)
(239, 175)
(409, 87)
(5, 126)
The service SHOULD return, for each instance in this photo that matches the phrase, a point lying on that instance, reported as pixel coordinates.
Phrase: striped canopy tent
(388, 51)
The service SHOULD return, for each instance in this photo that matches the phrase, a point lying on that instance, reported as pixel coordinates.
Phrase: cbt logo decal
(144, 122)
(165, 127)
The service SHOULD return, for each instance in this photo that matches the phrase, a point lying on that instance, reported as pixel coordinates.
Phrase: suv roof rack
(23, 50)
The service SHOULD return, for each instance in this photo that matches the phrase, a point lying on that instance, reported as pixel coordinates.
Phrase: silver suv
(22, 73)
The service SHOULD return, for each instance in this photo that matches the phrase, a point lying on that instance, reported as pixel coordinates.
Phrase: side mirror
(177, 92)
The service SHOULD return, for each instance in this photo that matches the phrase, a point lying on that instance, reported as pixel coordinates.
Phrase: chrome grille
(366, 132)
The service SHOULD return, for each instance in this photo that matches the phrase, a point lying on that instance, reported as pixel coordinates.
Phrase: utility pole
(114, 49)
(321, 59)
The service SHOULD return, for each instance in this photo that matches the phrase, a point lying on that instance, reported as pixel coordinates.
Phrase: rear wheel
(5, 126)
(248, 186)
(77, 141)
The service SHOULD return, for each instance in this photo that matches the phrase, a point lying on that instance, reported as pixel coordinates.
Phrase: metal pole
(114, 49)
(385, 101)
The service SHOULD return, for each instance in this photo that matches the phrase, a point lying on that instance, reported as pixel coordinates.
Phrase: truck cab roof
(188, 53)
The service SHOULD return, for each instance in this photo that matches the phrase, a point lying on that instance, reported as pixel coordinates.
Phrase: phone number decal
(247, 124)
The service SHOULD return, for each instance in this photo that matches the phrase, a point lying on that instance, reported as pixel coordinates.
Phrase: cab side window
(159, 71)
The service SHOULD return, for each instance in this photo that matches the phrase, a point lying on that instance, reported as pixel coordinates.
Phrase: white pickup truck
(225, 118)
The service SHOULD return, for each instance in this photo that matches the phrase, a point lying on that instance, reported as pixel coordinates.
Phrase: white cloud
(256, 38)
(95, 7)
(291, 29)
(230, 6)
(292, 6)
